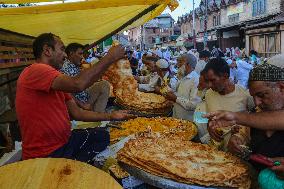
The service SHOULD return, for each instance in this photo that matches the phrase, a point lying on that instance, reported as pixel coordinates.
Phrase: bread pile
(126, 90)
(184, 161)
(181, 127)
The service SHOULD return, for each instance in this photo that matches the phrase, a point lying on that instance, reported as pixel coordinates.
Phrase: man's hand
(86, 106)
(121, 115)
(136, 78)
(157, 90)
(279, 169)
(214, 127)
(213, 130)
(234, 144)
(221, 115)
(170, 96)
(116, 53)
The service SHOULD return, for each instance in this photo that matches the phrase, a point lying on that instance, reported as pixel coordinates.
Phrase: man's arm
(79, 114)
(273, 120)
(82, 105)
(88, 76)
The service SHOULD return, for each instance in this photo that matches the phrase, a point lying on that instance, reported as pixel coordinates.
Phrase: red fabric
(42, 113)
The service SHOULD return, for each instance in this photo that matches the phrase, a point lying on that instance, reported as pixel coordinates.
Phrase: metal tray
(160, 182)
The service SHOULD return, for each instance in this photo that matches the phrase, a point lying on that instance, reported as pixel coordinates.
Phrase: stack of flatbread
(183, 128)
(172, 157)
(126, 90)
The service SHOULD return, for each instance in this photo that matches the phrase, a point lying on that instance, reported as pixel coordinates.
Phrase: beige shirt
(237, 101)
(187, 97)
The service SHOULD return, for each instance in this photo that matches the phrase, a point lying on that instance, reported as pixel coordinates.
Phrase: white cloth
(233, 71)
(187, 98)
(173, 69)
(158, 52)
(149, 82)
(242, 75)
(200, 66)
(167, 55)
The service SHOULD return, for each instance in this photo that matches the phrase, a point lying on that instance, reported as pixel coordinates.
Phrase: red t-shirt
(42, 113)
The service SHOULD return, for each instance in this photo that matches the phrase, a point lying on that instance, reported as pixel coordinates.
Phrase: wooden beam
(13, 64)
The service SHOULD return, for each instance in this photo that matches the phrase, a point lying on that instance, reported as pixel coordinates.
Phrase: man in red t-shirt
(44, 106)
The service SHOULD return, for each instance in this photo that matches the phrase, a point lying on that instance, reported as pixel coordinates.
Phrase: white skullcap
(149, 54)
(162, 63)
(277, 60)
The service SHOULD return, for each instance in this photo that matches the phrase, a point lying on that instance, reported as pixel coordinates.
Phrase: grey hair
(190, 60)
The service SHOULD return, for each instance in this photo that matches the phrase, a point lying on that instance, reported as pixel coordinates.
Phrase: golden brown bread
(173, 157)
(125, 89)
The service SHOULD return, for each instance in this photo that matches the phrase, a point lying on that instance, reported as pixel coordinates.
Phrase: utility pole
(205, 38)
(142, 38)
(193, 25)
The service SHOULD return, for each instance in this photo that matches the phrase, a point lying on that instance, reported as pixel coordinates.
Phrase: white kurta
(200, 66)
(187, 97)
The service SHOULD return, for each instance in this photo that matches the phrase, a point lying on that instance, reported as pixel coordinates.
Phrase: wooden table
(54, 173)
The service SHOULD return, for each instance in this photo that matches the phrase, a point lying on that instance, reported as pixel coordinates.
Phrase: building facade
(232, 23)
(153, 33)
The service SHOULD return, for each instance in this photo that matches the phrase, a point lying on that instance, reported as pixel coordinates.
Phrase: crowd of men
(225, 84)
(244, 94)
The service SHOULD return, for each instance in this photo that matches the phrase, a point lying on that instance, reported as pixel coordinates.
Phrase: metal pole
(142, 38)
(205, 24)
(193, 25)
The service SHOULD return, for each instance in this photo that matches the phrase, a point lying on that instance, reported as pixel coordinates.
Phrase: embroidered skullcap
(271, 71)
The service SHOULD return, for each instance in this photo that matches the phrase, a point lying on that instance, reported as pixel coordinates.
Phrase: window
(258, 7)
(233, 18)
(201, 22)
(271, 44)
(266, 45)
(153, 40)
(154, 30)
(216, 20)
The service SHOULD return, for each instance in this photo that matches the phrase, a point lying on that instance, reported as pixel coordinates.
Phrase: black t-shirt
(268, 146)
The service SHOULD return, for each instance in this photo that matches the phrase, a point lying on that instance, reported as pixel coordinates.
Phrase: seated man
(44, 107)
(224, 95)
(267, 136)
(95, 97)
(186, 99)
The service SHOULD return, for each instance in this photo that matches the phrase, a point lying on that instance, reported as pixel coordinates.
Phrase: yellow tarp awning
(83, 22)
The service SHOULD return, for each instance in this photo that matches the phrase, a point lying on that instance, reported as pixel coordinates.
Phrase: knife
(258, 158)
